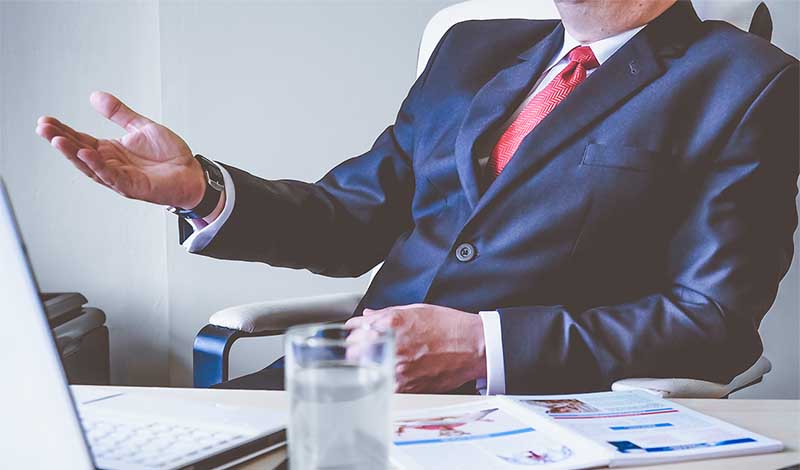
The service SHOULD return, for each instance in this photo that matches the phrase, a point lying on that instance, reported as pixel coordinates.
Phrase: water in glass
(339, 417)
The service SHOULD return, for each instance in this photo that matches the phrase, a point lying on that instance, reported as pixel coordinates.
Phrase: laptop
(45, 426)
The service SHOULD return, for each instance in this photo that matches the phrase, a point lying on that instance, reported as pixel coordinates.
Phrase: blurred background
(239, 81)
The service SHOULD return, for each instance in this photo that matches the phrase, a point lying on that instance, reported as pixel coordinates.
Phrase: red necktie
(581, 59)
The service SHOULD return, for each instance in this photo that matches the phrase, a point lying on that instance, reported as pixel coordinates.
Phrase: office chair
(213, 342)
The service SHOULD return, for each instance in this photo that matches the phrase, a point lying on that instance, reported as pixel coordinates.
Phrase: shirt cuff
(204, 233)
(495, 364)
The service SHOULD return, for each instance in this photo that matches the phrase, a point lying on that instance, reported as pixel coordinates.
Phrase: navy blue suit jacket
(640, 230)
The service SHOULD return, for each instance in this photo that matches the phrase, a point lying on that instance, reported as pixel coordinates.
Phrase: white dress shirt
(495, 381)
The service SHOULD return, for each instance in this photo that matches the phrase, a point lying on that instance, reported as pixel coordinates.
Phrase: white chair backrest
(479, 10)
(736, 12)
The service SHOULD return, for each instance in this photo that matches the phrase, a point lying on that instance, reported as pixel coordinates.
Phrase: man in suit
(559, 204)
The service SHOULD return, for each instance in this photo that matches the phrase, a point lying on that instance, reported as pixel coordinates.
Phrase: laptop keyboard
(118, 444)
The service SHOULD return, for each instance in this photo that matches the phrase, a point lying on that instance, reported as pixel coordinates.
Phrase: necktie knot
(583, 55)
(581, 60)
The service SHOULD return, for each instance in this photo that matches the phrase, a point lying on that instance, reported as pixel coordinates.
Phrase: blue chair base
(212, 348)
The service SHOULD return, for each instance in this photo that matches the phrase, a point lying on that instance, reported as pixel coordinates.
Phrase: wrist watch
(215, 185)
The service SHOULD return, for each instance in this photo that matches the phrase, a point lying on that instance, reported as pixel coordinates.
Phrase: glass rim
(298, 334)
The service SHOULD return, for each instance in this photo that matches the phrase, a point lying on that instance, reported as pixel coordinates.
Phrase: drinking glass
(340, 382)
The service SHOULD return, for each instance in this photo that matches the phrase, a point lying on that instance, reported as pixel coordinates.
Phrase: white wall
(233, 78)
(80, 235)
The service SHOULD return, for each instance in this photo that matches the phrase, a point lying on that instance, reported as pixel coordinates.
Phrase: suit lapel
(629, 70)
(494, 102)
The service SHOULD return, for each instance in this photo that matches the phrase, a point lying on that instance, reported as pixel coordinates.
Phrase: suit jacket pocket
(622, 157)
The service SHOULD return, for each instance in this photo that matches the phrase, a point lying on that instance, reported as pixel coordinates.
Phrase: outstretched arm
(342, 225)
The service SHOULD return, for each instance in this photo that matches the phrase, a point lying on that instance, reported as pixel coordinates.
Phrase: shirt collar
(603, 49)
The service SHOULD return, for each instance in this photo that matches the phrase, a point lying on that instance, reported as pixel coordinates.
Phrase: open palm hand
(149, 163)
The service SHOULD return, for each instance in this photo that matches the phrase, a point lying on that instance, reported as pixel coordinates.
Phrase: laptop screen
(40, 424)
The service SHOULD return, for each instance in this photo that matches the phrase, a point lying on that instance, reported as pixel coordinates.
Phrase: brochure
(489, 434)
(566, 432)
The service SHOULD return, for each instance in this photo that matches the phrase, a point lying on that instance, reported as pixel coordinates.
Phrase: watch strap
(215, 185)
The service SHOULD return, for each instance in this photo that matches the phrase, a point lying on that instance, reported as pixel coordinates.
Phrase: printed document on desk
(642, 428)
(566, 432)
(492, 433)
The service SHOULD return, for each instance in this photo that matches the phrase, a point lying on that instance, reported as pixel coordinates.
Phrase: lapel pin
(634, 67)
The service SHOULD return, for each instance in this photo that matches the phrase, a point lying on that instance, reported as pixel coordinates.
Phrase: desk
(778, 419)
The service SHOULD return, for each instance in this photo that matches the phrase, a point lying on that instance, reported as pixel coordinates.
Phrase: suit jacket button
(465, 252)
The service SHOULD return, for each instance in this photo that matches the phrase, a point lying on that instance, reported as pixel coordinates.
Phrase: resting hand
(149, 162)
(438, 348)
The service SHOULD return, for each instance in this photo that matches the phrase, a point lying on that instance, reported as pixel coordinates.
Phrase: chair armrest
(278, 316)
(213, 343)
(692, 388)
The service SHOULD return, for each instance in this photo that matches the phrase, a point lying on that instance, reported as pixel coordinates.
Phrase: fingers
(369, 318)
(48, 127)
(92, 159)
(358, 344)
(408, 379)
(51, 132)
(70, 150)
(387, 318)
(69, 142)
(363, 344)
(112, 108)
(64, 143)
(356, 322)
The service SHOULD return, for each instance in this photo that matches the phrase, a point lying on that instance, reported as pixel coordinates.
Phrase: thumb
(112, 108)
